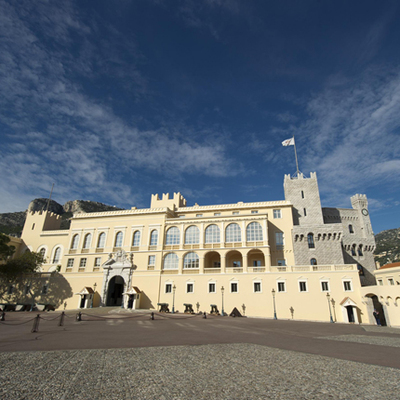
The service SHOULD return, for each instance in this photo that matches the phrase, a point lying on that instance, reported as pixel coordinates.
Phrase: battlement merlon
(300, 175)
(38, 221)
(173, 203)
(359, 201)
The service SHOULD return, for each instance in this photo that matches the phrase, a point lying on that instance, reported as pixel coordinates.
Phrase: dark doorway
(83, 299)
(350, 314)
(378, 307)
(130, 301)
(115, 290)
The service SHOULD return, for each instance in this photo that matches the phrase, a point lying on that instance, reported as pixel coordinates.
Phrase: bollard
(205, 315)
(62, 319)
(3, 316)
(35, 327)
(152, 316)
(79, 316)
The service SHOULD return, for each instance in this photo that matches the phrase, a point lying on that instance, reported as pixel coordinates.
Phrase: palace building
(292, 257)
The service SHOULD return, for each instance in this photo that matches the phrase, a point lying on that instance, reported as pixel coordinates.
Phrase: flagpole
(295, 153)
(48, 201)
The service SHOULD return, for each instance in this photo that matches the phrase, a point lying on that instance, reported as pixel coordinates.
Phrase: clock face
(364, 211)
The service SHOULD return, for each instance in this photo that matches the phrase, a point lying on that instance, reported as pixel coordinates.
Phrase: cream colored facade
(175, 254)
(385, 295)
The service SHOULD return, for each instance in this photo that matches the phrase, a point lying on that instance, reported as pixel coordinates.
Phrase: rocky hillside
(12, 223)
(387, 246)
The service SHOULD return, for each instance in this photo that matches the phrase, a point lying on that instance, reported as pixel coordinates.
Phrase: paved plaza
(114, 354)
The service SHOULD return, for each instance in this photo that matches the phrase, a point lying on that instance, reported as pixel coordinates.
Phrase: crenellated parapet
(173, 203)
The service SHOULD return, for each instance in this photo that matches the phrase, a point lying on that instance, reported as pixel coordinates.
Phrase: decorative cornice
(228, 218)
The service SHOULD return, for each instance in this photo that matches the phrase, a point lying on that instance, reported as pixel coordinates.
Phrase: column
(244, 261)
(267, 257)
(201, 265)
(223, 264)
(180, 269)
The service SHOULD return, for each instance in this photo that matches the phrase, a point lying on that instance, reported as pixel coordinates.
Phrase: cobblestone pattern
(238, 371)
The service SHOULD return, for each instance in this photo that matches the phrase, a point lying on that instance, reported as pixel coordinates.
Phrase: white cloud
(55, 132)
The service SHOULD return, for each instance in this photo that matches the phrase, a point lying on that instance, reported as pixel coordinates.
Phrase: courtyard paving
(114, 354)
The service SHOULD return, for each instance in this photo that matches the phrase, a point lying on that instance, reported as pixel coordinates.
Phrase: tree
(25, 264)
(6, 251)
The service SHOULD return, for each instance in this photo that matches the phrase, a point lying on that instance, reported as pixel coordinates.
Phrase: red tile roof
(391, 265)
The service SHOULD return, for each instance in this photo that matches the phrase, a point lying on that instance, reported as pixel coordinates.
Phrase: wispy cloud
(352, 132)
(54, 130)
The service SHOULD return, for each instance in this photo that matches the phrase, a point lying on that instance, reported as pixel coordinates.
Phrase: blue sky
(114, 101)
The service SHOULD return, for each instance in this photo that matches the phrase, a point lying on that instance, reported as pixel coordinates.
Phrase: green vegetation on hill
(387, 246)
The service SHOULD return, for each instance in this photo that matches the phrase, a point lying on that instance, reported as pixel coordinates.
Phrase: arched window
(136, 239)
(191, 260)
(233, 233)
(75, 241)
(118, 239)
(351, 230)
(192, 235)
(212, 234)
(313, 261)
(154, 238)
(171, 261)
(57, 255)
(360, 252)
(254, 232)
(353, 250)
(42, 252)
(172, 236)
(87, 241)
(102, 240)
(310, 238)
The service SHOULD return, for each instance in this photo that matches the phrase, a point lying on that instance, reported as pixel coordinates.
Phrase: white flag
(288, 142)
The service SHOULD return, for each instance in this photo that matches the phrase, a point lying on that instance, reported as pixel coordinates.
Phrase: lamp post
(222, 292)
(94, 292)
(328, 297)
(334, 309)
(273, 299)
(173, 299)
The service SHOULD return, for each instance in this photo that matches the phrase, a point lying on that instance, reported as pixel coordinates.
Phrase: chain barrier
(20, 323)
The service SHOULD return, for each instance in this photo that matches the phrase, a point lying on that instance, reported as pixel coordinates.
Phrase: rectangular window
(152, 261)
(97, 262)
(254, 211)
(82, 264)
(303, 286)
(380, 281)
(217, 264)
(10, 289)
(237, 264)
(305, 212)
(199, 215)
(189, 288)
(234, 287)
(235, 213)
(281, 263)
(45, 289)
(277, 214)
(302, 194)
(181, 216)
(325, 286)
(347, 286)
(168, 288)
(257, 287)
(391, 281)
(281, 287)
(211, 288)
(70, 263)
(217, 214)
(256, 263)
(279, 239)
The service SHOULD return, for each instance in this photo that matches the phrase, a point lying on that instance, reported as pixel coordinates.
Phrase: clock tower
(359, 202)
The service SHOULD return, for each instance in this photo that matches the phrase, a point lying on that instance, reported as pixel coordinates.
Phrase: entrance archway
(115, 290)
